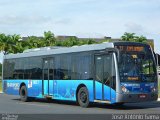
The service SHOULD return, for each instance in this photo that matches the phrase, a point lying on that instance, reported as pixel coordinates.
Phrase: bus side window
(81, 67)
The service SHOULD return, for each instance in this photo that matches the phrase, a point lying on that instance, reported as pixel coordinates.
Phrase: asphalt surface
(12, 105)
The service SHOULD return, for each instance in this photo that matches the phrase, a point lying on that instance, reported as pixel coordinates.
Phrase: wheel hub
(83, 97)
(23, 93)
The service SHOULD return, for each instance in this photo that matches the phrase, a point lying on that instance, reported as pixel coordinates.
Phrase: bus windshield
(137, 66)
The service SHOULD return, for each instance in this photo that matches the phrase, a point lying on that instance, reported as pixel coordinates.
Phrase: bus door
(48, 76)
(105, 77)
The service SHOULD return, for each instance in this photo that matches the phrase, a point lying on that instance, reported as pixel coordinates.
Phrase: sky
(82, 18)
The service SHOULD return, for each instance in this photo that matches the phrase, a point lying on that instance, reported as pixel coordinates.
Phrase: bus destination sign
(131, 48)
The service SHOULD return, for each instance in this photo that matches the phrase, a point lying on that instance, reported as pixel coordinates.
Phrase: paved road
(12, 104)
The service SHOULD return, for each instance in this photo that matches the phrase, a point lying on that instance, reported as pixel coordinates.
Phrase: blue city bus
(113, 73)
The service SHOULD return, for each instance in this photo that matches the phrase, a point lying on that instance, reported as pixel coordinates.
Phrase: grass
(0, 85)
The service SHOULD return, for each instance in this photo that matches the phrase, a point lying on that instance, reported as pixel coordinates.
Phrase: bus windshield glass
(136, 64)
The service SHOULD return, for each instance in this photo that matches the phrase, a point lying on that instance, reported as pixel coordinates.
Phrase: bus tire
(83, 97)
(24, 94)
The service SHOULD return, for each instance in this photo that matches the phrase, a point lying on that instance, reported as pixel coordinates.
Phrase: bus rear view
(137, 73)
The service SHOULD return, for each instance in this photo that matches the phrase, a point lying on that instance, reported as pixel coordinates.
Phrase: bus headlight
(153, 89)
(125, 90)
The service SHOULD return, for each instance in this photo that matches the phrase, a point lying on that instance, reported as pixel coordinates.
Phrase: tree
(71, 41)
(86, 41)
(33, 42)
(142, 39)
(128, 37)
(133, 38)
(4, 43)
(8, 43)
(105, 40)
(49, 39)
(15, 44)
(21, 46)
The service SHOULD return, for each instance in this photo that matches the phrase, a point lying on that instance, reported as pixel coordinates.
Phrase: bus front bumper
(141, 97)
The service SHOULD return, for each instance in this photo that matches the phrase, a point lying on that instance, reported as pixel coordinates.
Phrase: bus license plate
(142, 96)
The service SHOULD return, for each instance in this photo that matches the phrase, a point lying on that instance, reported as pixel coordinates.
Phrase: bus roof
(60, 50)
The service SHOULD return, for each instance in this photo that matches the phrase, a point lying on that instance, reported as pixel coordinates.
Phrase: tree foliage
(15, 44)
(49, 39)
(8, 43)
(131, 37)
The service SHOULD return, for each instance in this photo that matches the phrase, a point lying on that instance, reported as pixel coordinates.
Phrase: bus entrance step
(102, 101)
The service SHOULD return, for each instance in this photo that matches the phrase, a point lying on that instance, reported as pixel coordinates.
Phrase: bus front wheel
(23, 94)
(83, 97)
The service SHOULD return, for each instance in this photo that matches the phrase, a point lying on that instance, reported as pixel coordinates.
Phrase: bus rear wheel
(23, 94)
(83, 97)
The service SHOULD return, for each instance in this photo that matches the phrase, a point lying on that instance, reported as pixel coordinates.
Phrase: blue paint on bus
(59, 89)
